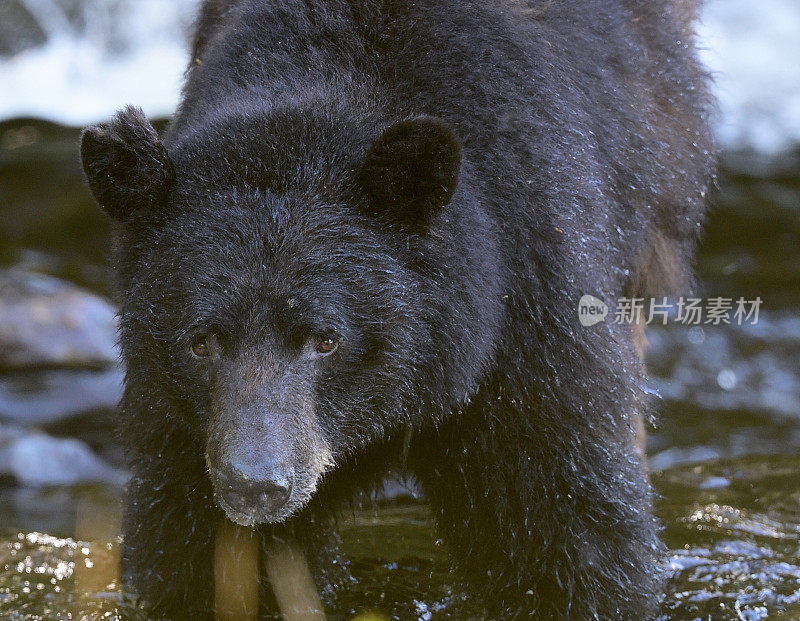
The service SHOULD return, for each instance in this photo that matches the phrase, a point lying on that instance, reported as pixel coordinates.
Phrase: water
(733, 528)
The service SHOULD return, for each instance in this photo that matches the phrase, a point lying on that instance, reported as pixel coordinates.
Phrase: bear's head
(286, 294)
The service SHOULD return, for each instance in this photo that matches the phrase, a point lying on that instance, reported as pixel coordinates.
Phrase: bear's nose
(247, 492)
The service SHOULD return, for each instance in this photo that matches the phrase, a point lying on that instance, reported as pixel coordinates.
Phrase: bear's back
(587, 116)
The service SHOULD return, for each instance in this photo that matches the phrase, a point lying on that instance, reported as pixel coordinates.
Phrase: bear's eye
(204, 346)
(200, 349)
(327, 346)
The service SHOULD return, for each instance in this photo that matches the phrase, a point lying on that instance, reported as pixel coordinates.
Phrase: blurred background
(724, 456)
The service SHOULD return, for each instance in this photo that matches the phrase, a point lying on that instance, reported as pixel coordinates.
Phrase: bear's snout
(249, 495)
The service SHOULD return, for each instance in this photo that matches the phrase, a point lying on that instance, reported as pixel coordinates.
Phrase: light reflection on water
(42, 576)
(735, 554)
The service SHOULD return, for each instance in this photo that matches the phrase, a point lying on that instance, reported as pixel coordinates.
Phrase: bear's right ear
(126, 165)
(411, 171)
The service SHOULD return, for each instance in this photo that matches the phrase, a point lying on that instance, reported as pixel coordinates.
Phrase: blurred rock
(97, 428)
(679, 456)
(44, 397)
(38, 460)
(46, 322)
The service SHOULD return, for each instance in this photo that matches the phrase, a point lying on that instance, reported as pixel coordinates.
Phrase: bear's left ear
(127, 167)
(410, 172)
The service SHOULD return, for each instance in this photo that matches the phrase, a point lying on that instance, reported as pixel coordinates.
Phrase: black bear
(360, 247)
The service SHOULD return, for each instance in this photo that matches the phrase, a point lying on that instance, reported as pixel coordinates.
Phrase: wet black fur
(581, 127)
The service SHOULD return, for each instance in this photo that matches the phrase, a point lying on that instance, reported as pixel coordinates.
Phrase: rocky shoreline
(58, 365)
